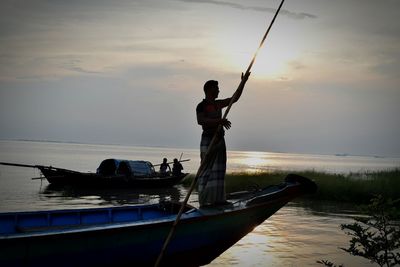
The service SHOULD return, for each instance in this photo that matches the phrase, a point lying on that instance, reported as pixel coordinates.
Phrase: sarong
(211, 183)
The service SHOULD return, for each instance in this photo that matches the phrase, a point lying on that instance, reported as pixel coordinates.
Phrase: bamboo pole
(207, 157)
(18, 165)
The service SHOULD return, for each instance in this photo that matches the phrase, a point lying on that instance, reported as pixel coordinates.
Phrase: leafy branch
(377, 236)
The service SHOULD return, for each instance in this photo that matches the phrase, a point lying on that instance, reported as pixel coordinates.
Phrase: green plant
(355, 188)
(376, 237)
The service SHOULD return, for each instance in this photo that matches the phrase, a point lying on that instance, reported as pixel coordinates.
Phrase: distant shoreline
(161, 146)
(81, 143)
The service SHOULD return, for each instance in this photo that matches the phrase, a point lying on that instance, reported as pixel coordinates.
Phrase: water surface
(297, 235)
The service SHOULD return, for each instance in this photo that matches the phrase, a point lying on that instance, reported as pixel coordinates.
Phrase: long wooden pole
(18, 165)
(207, 157)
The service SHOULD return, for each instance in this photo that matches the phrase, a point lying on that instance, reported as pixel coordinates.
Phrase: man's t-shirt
(211, 110)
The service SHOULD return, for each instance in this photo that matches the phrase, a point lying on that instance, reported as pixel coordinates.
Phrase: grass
(353, 187)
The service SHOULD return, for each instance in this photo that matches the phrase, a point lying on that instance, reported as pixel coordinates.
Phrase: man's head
(211, 88)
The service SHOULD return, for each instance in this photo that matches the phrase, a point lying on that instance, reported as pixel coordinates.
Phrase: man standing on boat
(211, 183)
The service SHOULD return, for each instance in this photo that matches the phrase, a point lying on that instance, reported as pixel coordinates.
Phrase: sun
(272, 59)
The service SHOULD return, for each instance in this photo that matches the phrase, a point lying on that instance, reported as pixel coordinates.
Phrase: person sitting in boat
(165, 169)
(177, 168)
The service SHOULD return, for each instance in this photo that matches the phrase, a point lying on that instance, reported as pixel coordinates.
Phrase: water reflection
(294, 236)
(67, 195)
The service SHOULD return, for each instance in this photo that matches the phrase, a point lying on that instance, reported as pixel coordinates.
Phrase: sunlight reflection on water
(292, 237)
(253, 161)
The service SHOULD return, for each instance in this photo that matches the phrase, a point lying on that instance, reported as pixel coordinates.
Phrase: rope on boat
(208, 156)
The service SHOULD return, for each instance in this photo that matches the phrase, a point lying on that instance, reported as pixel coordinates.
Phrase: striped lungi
(211, 183)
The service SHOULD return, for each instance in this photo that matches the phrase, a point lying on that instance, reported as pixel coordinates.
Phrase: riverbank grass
(353, 187)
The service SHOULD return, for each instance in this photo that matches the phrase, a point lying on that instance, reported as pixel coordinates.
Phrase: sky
(326, 81)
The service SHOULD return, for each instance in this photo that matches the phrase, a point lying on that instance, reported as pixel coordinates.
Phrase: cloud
(284, 12)
(74, 64)
(297, 65)
(390, 69)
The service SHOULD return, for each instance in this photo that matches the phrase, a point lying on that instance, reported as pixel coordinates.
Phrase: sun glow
(272, 60)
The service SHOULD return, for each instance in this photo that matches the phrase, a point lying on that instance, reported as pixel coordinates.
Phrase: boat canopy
(136, 168)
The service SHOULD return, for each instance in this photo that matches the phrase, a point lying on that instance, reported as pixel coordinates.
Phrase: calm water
(296, 235)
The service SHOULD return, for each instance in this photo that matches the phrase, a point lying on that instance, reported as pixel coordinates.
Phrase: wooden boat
(110, 173)
(134, 235)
